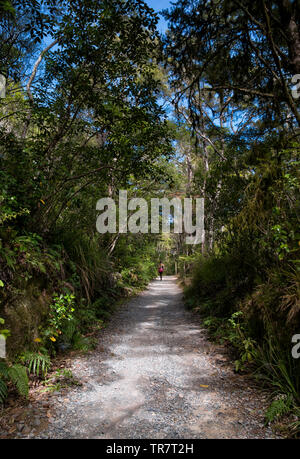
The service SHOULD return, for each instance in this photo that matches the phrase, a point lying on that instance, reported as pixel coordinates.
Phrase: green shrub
(37, 363)
(279, 407)
(215, 282)
(60, 314)
(17, 375)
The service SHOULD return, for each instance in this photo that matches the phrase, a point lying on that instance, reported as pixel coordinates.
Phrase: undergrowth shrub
(256, 310)
(37, 363)
(11, 373)
(278, 408)
(215, 283)
(15, 374)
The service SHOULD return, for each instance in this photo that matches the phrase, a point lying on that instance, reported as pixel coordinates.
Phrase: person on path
(161, 268)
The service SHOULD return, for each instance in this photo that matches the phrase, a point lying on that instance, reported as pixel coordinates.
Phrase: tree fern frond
(18, 376)
(37, 364)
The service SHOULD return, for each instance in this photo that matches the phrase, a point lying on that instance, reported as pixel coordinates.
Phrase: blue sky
(159, 5)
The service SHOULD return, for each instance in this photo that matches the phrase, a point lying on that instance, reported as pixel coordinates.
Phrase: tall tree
(249, 50)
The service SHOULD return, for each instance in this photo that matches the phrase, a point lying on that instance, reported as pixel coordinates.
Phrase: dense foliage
(80, 120)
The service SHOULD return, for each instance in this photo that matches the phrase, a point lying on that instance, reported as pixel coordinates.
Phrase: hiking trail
(154, 374)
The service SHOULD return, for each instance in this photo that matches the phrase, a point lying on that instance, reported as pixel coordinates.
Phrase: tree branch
(35, 67)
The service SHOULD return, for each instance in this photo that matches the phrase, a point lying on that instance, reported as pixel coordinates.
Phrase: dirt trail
(155, 375)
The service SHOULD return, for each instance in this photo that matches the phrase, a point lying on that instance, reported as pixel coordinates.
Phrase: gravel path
(155, 375)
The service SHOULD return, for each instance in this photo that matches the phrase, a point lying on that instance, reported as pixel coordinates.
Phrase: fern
(4, 374)
(278, 408)
(37, 364)
(19, 378)
(17, 375)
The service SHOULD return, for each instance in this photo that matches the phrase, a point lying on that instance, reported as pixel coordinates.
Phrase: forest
(94, 100)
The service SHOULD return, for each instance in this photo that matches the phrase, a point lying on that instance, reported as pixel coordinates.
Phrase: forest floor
(154, 374)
